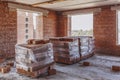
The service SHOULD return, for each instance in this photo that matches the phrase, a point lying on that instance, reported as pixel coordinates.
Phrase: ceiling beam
(48, 2)
(84, 11)
(27, 7)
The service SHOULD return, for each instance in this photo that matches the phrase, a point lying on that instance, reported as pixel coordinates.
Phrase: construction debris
(86, 63)
(11, 64)
(5, 69)
(115, 68)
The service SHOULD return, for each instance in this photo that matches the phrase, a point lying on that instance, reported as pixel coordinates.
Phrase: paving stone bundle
(34, 59)
(66, 50)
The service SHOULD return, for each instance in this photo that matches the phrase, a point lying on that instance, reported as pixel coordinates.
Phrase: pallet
(66, 61)
(48, 69)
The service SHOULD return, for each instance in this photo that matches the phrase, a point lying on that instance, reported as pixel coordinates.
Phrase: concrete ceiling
(61, 5)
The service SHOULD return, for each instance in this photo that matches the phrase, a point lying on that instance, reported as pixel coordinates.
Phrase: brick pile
(6, 66)
(34, 59)
(86, 46)
(66, 50)
(70, 50)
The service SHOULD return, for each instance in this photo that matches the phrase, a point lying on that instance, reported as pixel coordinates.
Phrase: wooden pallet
(66, 61)
(48, 69)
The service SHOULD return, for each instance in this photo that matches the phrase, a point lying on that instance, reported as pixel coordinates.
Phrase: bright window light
(118, 37)
(82, 25)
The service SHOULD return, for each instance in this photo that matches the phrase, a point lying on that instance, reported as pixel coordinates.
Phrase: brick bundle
(70, 50)
(86, 46)
(66, 50)
(34, 59)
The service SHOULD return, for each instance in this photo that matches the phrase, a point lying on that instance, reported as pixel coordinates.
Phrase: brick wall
(105, 32)
(56, 25)
(62, 27)
(8, 30)
(49, 25)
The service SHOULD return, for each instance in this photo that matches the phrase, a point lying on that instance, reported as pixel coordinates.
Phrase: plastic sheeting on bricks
(31, 57)
(66, 48)
(87, 46)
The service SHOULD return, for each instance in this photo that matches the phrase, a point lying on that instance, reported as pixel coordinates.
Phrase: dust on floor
(100, 69)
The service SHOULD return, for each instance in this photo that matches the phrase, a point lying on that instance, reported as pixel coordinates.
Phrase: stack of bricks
(66, 50)
(87, 46)
(6, 67)
(35, 58)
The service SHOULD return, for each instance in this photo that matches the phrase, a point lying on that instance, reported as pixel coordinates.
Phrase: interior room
(59, 39)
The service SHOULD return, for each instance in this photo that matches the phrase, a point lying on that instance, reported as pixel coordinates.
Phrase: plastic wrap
(86, 44)
(65, 48)
(29, 55)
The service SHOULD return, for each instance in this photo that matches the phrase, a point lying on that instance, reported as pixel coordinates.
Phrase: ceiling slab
(62, 5)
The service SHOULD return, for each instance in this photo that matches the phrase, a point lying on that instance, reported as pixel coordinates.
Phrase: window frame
(82, 14)
(117, 28)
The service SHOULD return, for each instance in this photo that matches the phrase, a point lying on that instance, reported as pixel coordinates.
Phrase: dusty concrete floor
(100, 69)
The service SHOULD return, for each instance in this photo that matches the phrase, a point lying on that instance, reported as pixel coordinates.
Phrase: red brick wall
(8, 30)
(62, 28)
(49, 25)
(105, 32)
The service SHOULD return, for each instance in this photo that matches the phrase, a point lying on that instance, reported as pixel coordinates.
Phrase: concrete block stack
(66, 50)
(34, 59)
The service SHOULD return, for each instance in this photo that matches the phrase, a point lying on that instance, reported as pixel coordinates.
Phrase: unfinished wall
(23, 26)
(8, 30)
(62, 27)
(105, 32)
(49, 25)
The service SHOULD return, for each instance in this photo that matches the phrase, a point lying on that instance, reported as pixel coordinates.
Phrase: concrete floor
(100, 69)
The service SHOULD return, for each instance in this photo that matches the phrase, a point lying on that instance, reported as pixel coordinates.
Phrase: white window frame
(117, 28)
(82, 14)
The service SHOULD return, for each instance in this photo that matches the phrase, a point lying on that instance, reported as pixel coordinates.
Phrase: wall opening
(118, 28)
(29, 25)
(82, 25)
